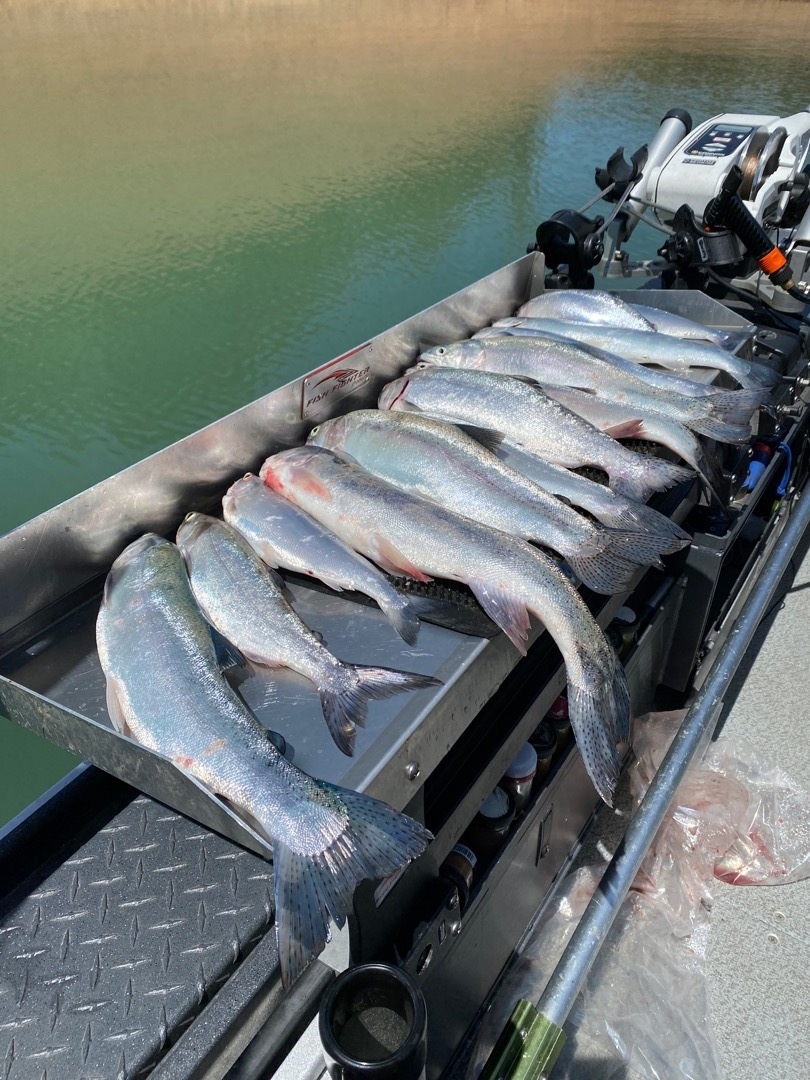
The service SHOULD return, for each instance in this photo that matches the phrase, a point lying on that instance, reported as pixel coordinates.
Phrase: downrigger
(732, 197)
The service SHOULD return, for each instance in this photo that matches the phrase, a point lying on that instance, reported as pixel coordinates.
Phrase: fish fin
(603, 573)
(331, 582)
(453, 614)
(758, 376)
(733, 408)
(402, 615)
(114, 708)
(228, 656)
(599, 710)
(308, 889)
(393, 561)
(720, 431)
(529, 380)
(643, 548)
(486, 437)
(627, 429)
(342, 727)
(505, 609)
(627, 515)
(641, 478)
(731, 340)
(345, 703)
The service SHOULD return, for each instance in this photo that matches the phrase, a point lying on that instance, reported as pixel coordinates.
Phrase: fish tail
(758, 376)
(730, 340)
(599, 710)
(345, 700)
(726, 415)
(645, 549)
(598, 697)
(640, 476)
(604, 573)
(615, 512)
(375, 842)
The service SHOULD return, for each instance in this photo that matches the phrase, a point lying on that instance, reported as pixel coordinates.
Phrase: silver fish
(528, 418)
(667, 322)
(611, 416)
(584, 306)
(409, 534)
(165, 689)
(676, 354)
(439, 461)
(284, 536)
(615, 511)
(245, 601)
(553, 361)
(609, 309)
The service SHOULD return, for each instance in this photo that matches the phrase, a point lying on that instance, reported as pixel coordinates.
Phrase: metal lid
(524, 764)
(496, 805)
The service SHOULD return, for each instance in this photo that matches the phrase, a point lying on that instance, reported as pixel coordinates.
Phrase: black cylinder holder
(373, 1025)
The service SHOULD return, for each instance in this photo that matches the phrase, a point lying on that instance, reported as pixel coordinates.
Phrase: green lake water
(203, 199)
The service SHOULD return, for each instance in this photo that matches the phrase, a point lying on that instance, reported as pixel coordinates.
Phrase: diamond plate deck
(109, 958)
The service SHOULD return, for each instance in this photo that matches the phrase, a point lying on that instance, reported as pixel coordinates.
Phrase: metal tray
(52, 571)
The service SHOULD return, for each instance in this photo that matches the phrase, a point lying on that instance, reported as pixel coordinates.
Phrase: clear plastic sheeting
(643, 1013)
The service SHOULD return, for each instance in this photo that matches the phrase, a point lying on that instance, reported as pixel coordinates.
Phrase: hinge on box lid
(544, 836)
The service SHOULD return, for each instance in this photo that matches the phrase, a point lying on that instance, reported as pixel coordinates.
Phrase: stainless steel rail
(571, 971)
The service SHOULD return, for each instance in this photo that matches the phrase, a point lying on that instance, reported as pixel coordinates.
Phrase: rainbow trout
(245, 601)
(530, 419)
(407, 534)
(165, 689)
(439, 461)
(284, 536)
(554, 361)
(644, 347)
(609, 309)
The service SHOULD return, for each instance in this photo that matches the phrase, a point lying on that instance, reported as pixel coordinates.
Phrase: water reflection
(202, 199)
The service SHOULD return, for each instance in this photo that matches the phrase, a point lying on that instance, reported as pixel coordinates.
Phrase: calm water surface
(202, 199)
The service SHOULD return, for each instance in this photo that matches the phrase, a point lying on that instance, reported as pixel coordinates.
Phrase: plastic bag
(643, 1013)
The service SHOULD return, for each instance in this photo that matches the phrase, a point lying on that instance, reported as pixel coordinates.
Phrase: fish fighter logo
(332, 382)
(343, 376)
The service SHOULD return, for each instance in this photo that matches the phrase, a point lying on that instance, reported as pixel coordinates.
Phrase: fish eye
(315, 430)
(441, 350)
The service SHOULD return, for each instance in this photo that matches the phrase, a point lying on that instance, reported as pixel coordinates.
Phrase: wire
(780, 600)
(756, 300)
(648, 221)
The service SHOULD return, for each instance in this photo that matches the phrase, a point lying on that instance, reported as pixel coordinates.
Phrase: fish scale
(166, 690)
(439, 461)
(509, 578)
(528, 418)
(551, 360)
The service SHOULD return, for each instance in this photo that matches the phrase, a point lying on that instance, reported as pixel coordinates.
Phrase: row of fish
(464, 468)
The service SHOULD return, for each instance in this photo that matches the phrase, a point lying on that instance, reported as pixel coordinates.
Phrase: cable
(755, 300)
